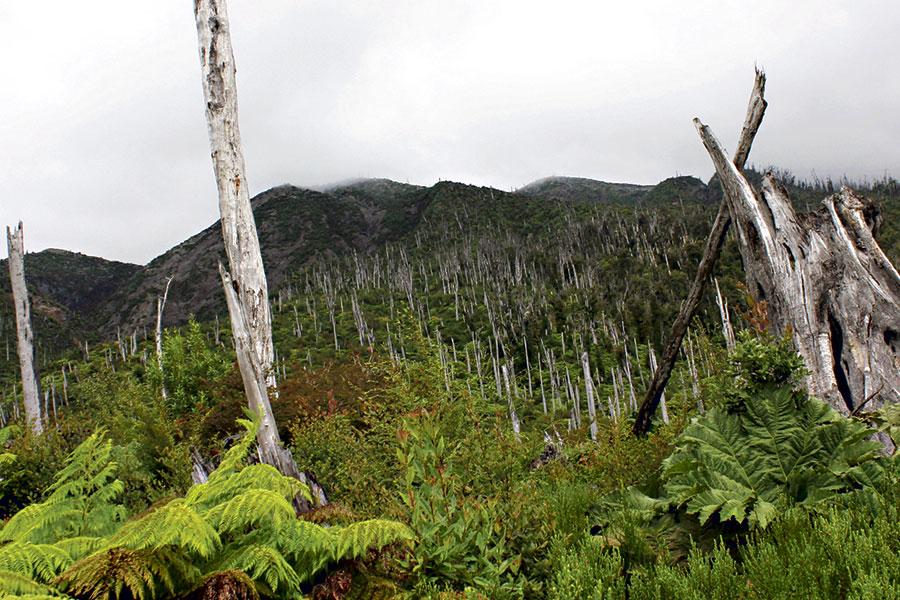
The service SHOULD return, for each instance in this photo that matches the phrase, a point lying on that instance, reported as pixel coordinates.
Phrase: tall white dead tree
(825, 280)
(31, 384)
(160, 307)
(246, 291)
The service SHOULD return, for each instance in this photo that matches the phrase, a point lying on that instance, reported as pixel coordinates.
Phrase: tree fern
(81, 500)
(36, 561)
(173, 524)
(265, 565)
(14, 584)
(125, 573)
(238, 529)
(357, 539)
(253, 508)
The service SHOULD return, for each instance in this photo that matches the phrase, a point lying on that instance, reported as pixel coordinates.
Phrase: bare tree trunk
(31, 383)
(160, 307)
(589, 391)
(246, 291)
(755, 111)
(825, 281)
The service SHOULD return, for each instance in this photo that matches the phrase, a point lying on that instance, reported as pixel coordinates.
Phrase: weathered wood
(589, 392)
(31, 383)
(755, 111)
(826, 282)
(246, 290)
(160, 307)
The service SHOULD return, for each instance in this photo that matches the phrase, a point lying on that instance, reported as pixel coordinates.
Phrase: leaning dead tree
(755, 111)
(246, 291)
(825, 280)
(31, 383)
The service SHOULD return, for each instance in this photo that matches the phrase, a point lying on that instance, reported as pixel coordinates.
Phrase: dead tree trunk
(755, 111)
(825, 281)
(246, 291)
(160, 307)
(31, 383)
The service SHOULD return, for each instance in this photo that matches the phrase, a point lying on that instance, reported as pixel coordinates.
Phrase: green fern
(238, 529)
(356, 540)
(124, 573)
(40, 562)
(81, 500)
(173, 524)
(6, 433)
(14, 584)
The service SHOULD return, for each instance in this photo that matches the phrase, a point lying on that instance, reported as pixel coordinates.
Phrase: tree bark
(826, 282)
(246, 291)
(31, 383)
(755, 111)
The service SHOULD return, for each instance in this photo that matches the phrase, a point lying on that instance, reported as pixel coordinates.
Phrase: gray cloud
(104, 146)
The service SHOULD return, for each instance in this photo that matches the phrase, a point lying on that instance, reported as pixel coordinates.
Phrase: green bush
(585, 570)
(460, 538)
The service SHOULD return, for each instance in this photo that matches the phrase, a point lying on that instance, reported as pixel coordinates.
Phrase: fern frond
(40, 562)
(357, 539)
(80, 501)
(79, 547)
(124, 573)
(36, 522)
(252, 508)
(173, 524)
(90, 462)
(225, 487)
(308, 547)
(235, 456)
(15, 584)
(263, 564)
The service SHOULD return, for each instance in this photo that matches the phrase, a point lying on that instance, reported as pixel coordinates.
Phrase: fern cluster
(239, 529)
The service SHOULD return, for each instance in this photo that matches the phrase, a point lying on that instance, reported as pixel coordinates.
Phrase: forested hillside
(458, 367)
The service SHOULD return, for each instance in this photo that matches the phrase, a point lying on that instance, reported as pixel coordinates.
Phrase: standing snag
(160, 307)
(31, 383)
(246, 291)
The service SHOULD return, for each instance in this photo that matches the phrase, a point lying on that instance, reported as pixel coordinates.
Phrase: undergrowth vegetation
(400, 376)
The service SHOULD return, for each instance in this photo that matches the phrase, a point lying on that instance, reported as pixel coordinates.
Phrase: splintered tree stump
(826, 282)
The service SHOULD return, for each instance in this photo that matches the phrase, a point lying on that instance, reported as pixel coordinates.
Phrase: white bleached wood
(160, 307)
(246, 290)
(31, 385)
(825, 280)
(589, 392)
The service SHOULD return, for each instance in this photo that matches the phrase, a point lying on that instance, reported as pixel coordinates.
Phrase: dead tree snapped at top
(31, 384)
(825, 280)
(756, 109)
(246, 291)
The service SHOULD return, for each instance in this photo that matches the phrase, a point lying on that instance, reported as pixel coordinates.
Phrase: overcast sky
(103, 145)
